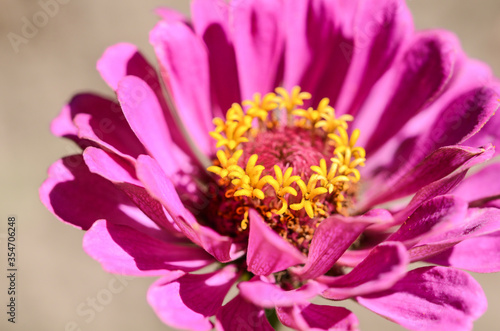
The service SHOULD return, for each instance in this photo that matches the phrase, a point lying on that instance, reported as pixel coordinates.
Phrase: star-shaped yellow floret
(329, 178)
(309, 192)
(248, 181)
(225, 163)
(290, 101)
(260, 107)
(328, 121)
(281, 185)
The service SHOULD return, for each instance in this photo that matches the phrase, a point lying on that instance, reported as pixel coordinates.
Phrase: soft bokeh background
(56, 281)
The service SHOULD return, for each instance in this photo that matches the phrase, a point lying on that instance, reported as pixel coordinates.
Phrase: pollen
(294, 172)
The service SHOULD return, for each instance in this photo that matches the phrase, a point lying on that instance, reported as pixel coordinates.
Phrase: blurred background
(57, 282)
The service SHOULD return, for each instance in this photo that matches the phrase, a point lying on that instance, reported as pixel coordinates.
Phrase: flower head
(278, 160)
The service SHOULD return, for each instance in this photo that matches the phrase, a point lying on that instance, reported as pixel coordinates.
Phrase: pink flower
(237, 169)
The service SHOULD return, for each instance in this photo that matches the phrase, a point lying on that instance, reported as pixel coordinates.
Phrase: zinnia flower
(301, 149)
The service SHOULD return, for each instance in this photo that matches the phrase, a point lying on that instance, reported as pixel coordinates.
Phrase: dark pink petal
(146, 118)
(439, 164)
(331, 239)
(109, 166)
(317, 317)
(267, 251)
(269, 295)
(187, 301)
(382, 268)
(434, 216)
(162, 189)
(481, 185)
(489, 134)
(439, 187)
(101, 121)
(184, 67)
(123, 60)
(79, 197)
(258, 43)
(478, 222)
(318, 50)
(121, 249)
(431, 298)
(383, 28)
(123, 176)
(422, 74)
(462, 118)
(211, 22)
(480, 254)
(239, 314)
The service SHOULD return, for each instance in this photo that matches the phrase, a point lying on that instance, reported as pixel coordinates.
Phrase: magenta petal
(449, 159)
(423, 72)
(383, 30)
(317, 53)
(144, 113)
(478, 222)
(162, 189)
(101, 121)
(317, 317)
(268, 252)
(434, 216)
(188, 301)
(121, 249)
(124, 59)
(211, 22)
(331, 239)
(481, 254)
(461, 119)
(79, 197)
(258, 43)
(269, 295)
(382, 268)
(239, 314)
(481, 185)
(184, 67)
(431, 298)
(120, 173)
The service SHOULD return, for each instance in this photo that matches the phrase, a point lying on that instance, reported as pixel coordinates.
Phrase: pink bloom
(425, 114)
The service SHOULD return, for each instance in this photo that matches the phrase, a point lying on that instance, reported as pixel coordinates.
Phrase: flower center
(295, 172)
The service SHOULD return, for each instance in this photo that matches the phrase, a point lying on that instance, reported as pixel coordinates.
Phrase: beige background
(55, 276)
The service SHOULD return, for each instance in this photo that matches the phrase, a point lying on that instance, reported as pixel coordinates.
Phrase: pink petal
(431, 298)
(379, 271)
(211, 22)
(258, 42)
(162, 189)
(315, 54)
(120, 173)
(409, 181)
(331, 239)
(317, 317)
(480, 254)
(121, 249)
(422, 74)
(184, 66)
(239, 314)
(123, 60)
(101, 121)
(481, 185)
(434, 216)
(269, 295)
(383, 28)
(478, 222)
(459, 120)
(144, 113)
(187, 301)
(79, 197)
(267, 251)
